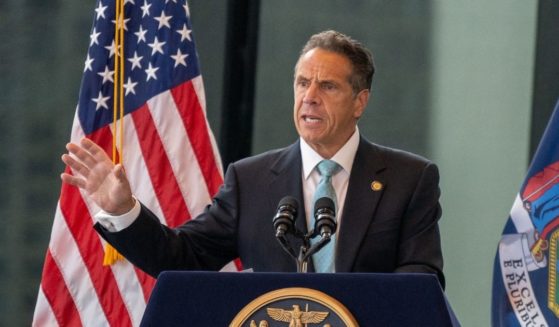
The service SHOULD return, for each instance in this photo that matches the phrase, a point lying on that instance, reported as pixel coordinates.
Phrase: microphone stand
(306, 250)
(325, 222)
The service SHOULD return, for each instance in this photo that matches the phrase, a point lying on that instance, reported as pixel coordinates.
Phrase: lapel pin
(376, 186)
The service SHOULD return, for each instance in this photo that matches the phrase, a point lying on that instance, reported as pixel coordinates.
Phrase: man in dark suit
(388, 200)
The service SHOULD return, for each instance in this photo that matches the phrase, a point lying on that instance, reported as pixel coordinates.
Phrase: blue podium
(215, 299)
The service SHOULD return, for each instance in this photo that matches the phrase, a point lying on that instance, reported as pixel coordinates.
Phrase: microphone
(325, 217)
(285, 216)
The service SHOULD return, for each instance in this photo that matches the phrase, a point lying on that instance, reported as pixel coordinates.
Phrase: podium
(215, 298)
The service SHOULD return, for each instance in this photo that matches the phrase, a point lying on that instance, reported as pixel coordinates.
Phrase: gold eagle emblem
(296, 317)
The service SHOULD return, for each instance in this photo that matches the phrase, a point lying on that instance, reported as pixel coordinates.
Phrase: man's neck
(344, 156)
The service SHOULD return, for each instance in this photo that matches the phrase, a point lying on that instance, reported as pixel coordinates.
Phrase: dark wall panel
(546, 75)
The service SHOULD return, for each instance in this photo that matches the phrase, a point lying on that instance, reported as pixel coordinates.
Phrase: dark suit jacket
(394, 229)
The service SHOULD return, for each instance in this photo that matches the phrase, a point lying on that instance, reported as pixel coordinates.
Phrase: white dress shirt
(311, 177)
(117, 223)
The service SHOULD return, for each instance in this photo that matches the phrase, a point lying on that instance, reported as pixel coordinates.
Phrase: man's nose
(311, 94)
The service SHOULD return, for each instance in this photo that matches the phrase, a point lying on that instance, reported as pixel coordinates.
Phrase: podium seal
(294, 307)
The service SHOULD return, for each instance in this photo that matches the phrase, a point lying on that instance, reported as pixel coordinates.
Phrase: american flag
(169, 153)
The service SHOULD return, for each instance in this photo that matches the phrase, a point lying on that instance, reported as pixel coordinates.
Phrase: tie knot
(327, 168)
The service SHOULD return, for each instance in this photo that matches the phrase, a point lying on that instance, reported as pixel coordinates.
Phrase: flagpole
(111, 254)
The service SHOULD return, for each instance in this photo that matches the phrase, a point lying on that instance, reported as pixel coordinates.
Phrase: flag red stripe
(57, 294)
(549, 228)
(161, 173)
(238, 264)
(92, 252)
(197, 129)
(76, 213)
(146, 281)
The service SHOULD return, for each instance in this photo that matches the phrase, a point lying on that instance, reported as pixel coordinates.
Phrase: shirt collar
(344, 157)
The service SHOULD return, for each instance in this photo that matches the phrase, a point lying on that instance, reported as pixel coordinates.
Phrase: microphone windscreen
(290, 201)
(324, 203)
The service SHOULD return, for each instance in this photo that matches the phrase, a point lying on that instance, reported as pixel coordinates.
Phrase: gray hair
(359, 56)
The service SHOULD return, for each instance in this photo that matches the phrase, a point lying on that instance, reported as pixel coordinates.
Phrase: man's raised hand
(94, 172)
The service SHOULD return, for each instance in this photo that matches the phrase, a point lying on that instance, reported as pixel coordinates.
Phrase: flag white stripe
(130, 290)
(44, 316)
(230, 267)
(126, 278)
(180, 152)
(137, 171)
(77, 131)
(66, 254)
(198, 84)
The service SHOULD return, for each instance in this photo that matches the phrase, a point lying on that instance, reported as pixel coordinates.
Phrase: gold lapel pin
(376, 186)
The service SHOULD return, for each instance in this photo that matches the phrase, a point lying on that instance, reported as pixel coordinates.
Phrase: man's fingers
(95, 150)
(84, 156)
(72, 180)
(76, 166)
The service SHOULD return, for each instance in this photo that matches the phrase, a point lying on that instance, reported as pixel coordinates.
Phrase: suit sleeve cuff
(117, 223)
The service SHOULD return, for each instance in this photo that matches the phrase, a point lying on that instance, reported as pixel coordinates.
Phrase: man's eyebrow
(301, 78)
(321, 81)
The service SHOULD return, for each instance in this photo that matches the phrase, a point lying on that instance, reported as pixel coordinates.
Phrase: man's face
(326, 110)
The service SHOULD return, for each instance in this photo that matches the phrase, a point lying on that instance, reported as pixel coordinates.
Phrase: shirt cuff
(117, 223)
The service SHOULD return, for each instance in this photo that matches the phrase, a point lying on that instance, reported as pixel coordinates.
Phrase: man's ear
(361, 100)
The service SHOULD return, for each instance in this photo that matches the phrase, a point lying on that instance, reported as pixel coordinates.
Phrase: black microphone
(325, 217)
(285, 216)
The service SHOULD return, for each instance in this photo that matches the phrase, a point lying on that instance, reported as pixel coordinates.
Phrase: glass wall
(41, 60)
(483, 64)
(398, 33)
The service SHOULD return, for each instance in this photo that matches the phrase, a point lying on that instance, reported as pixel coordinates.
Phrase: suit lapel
(360, 203)
(286, 180)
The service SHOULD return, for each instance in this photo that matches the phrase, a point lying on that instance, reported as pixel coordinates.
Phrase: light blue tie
(324, 259)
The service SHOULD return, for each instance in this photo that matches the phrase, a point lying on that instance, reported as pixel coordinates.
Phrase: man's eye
(303, 83)
(328, 86)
